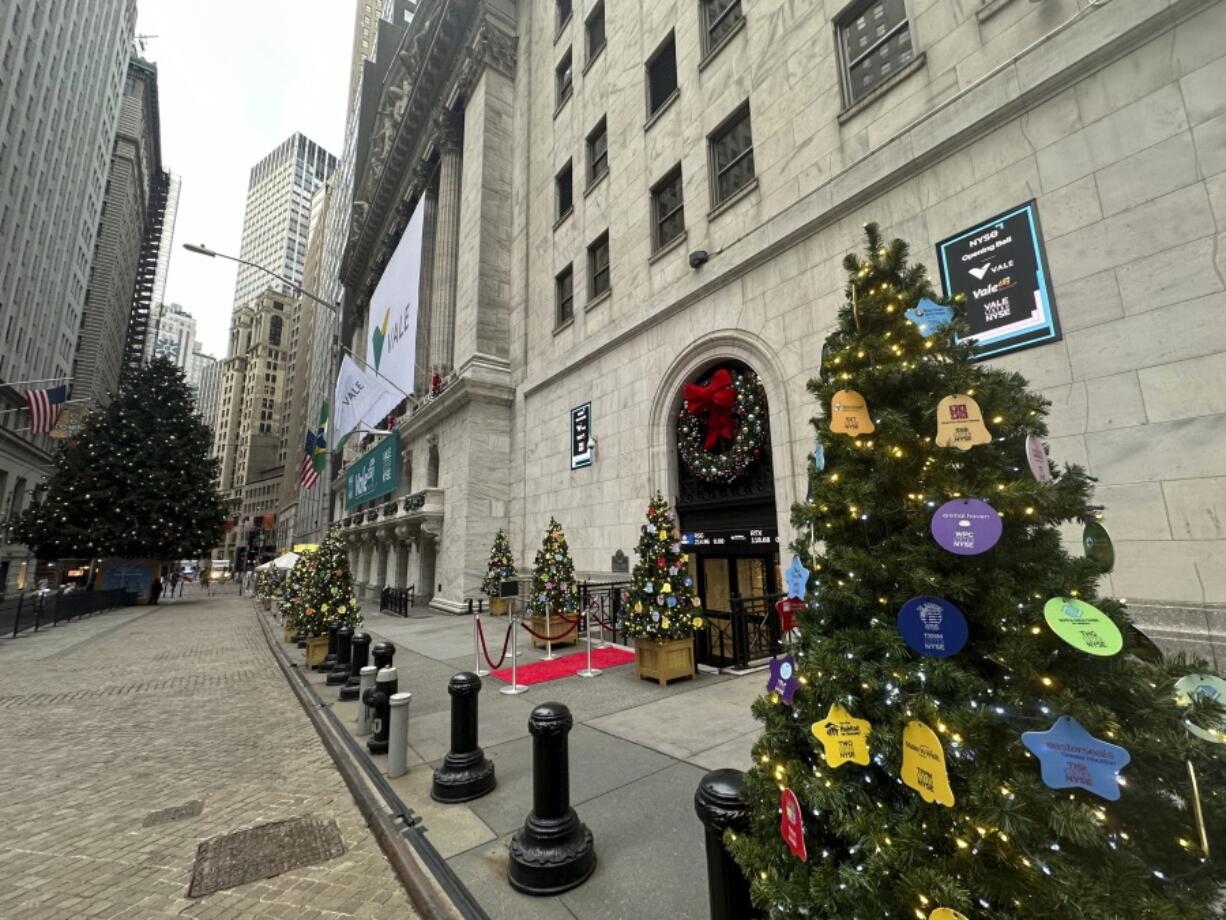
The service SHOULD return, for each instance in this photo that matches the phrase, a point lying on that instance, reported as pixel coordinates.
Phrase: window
(731, 156)
(662, 75)
(874, 44)
(563, 78)
(564, 186)
(598, 151)
(594, 28)
(719, 20)
(564, 288)
(598, 266)
(668, 209)
(563, 7)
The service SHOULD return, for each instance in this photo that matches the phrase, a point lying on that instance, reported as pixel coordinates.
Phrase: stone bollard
(553, 852)
(340, 673)
(398, 735)
(359, 654)
(719, 806)
(364, 715)
(382, 654)
(465, 774)
(379, 700)
(330, 662)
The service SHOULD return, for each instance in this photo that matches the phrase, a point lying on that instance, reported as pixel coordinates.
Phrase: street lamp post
(203, 250)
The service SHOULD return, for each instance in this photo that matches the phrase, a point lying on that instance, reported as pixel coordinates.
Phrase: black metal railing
(34, 610)
(735, 638)
(397, 601)
(607, 602)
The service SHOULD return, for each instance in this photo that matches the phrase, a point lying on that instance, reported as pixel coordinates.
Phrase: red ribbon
(716, 399)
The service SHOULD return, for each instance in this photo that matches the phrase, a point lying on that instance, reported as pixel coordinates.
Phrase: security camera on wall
(698, 258)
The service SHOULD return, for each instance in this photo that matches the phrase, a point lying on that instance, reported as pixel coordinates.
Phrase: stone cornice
(443, 54)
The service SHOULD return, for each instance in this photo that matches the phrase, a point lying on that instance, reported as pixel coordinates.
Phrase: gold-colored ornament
(960, 423)
(844, 737)
(849, 414)
(923, 764)
(946, 913)
(1197, 812)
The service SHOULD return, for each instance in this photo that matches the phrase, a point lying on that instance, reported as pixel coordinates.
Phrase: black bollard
(553, 852)
(330, 662)
(340, 673)
(719, 806)
(465, 774)
(382, 654)
(359, 654)
(379, 699)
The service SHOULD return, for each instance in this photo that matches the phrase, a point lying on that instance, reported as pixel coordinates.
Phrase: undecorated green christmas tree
(972, 730)
(553, 576)
(136, 482)
(663, 601)
(501, 566)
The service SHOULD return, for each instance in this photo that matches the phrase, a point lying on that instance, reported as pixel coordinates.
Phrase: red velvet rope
(573, 626)
(506, 642)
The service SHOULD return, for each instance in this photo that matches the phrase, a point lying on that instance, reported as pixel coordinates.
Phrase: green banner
(374, 475)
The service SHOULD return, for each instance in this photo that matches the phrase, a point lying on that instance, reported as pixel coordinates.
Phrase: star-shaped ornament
(844, 737)
(929, 316)
(1072, 758)
(797, 577)
(783, 679)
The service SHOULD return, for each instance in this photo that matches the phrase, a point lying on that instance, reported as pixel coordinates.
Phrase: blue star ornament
(1072, 758)
(797, 577)
(783, 679)
(929, 316)
(819, 456)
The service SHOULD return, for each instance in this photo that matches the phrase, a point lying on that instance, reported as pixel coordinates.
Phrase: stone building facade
(551, 144)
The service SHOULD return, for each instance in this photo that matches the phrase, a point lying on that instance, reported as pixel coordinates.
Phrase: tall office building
(58, 116)
(134, 198)
(278, 215)
(174, 336)
(208, 388)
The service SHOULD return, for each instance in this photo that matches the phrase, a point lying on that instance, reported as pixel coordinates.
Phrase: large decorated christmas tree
(321, 589)
(501, 566)
(663, 601)
(972, 730)
(136, 482)
(553, 576)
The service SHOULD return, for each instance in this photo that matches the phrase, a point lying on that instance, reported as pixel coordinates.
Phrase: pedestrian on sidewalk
(182, 582)
(155, 590)
(174, 582)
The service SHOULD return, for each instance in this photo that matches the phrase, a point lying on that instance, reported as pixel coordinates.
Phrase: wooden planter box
(664, 659)
(498, 607)
(316, 650)
(557, 627)
(289, 634)
(268, 603)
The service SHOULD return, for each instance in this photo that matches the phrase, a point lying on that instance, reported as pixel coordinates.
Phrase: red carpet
(566, 666)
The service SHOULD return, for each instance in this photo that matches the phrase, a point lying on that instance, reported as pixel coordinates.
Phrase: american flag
(45, 407)
(308, 476)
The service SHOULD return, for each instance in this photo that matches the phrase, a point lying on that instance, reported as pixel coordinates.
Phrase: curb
(434, 889)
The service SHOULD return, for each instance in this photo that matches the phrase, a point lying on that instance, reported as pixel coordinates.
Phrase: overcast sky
(235, 79)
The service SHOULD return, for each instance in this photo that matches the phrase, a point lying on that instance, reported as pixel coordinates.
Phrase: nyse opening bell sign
(1000, 267)
(391, 343)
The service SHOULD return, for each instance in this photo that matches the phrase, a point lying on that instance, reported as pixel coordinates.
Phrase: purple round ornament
(966, 526)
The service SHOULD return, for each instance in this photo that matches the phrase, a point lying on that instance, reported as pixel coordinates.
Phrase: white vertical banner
(360, 397)
(391, 325)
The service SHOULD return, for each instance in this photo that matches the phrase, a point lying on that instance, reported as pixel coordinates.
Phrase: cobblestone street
(107, 721)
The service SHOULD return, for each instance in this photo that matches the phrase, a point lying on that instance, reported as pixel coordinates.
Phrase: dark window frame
(668, 45)
(564, 304)
(595, 270)
(567, 173)
(658, 243)
(844, 22)
(594, 52)
(564, 78)
(599, 130)
(710, 45)
(560, 21)
(715, 170)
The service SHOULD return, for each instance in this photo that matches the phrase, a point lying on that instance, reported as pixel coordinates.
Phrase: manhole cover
(177, 813)
(262, 852)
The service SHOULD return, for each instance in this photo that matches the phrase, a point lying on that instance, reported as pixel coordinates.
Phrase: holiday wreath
(731, 406)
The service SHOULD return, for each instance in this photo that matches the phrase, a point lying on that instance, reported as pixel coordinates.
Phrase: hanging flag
(360, 395)
(320, 458)
(308, 476)
(45, 407)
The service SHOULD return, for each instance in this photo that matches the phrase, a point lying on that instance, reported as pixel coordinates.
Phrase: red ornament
(660, 561)
(716, 399)
(788, 607)
(792, 825)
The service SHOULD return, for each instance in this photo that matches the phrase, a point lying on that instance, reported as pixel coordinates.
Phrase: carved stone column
(446, 243)
(429, 205)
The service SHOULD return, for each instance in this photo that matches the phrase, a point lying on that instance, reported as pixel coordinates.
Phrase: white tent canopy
(285, 562)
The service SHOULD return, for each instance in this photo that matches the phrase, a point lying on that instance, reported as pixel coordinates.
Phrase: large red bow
(716, 399)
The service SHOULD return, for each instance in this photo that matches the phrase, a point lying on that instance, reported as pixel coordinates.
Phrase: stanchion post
(720, 806)
(589, 671)
(466, 773)
(515, 687)
(477, 669)
(364, 714)
(549, 656)
(553, 852)
(398, 735)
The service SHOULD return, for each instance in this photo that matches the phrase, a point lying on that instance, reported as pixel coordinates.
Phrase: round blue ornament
(933, 626)
(672, 601)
